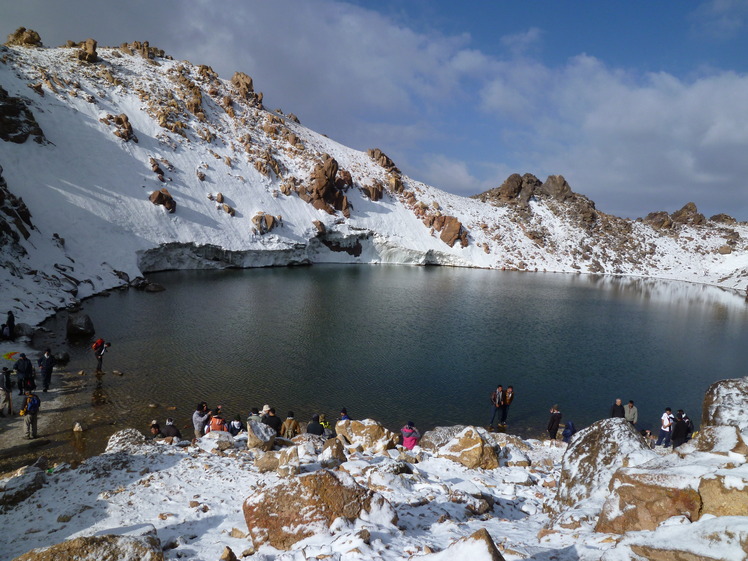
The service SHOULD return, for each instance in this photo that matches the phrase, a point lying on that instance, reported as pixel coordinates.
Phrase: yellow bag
(22, 412)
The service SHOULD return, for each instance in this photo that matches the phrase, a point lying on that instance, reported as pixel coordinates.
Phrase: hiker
(216, 423)
(666, 425)
(411, 436)
(344, 415)
(689, 424)
(10, 323)
(30, 411)
(254, 415)
(171, 430)
(679, 431)
(508, 398)
(328, 431)
(156, 431)
(99, 348)
(264, 412)
(290, 427)
(553, 422)
(5, 393)
(46, 364)
(569, 431)
(314, 427)
(236, 426)
(200, 419)
(273, 421)
(632, 414)
(497, 400)
(24, 374)
(617, 411)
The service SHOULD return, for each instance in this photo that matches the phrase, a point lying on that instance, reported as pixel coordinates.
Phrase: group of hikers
(205, 420)
(674, 429)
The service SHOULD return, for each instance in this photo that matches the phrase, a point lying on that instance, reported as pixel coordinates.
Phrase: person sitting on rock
(217, 422)
(411, 436)
(329, 432)
(236, 426)
(171, 429)
(344, 415)
(315, 427)
(156, 431)
(254, 415)
(273, 421)
(569, 431)
(290, 427)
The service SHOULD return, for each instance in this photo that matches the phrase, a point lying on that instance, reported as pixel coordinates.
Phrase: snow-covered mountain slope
(254, 187)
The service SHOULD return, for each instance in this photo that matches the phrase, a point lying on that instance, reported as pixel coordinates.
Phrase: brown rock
(374, 191)
(227, 555)
(655, 499)
(88, 51)
(267, 462)
(451, 230)
(721, 439)
(480, 544)
(724, 219)
(668, 554)
(17, 122)
(243, 84)
(381, 158)
(689, 214)
(724, 250)
(725, 403)
(100, 548)
(471, 449)
(259, 435)
(163, 197)
(369, 434)
(300, 507)
(659, 220)
(721, 497)
(24, 38)
(320, 226)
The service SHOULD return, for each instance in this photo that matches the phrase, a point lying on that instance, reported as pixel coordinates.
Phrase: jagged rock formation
(23, 37)
(97, 548)
(17, 122)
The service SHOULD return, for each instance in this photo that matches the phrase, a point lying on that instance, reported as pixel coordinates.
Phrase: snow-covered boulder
(725, 493)
(721, 439)
(128, 440)
(215, 441)
(471, 448)
(23, 483)
(479, 546)
(593, 457)
(434, 439)
(288, 462)
(260, 435)
(333, 454)
(726, 403)
(368, 433)
(96, 548)
(299, 507)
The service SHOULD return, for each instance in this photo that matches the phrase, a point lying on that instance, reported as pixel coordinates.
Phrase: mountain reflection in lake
(426, 344)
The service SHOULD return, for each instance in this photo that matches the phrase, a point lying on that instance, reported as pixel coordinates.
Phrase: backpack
(217, 424)
(33, 405)
(97, 344)
(289, 429)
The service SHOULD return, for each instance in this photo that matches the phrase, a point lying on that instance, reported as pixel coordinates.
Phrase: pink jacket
(410, 437)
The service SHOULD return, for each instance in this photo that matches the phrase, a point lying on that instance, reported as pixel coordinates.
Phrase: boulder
(333, 454)
(88, 51)
(689, 214)
(381, 158)
(369, 434)
(594, 455)
(128, 440)
(163, 197)
(99, 548)
(451, 232)
(288, 462)
(264, 223)
(726, 493)
(79, 326)
(434, 439)
(260, 435)
(643, 499)
(24, 38)
(17, 121)
(659, 220)
(721, 439)
(723, 218)
(23, 483)
(267, 462)
(478, 546)
(215, 441)
(243, 84)
(725, 403)
(471, 448)
(300, 507)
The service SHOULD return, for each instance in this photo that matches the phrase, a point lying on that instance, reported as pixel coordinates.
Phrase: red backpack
(97, 344)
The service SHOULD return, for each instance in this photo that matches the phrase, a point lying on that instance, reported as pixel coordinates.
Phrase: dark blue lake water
(414, 343)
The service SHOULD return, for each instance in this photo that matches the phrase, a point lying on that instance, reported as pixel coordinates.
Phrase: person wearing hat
(314, 427)
(344, 415)
(30, 411)
(410, 436)
(171, 429)
(554, 422)
(290, 426)
(5, 395)
(264, 412)
(24, 374)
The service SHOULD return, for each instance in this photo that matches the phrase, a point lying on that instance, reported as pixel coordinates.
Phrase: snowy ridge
(87, 189)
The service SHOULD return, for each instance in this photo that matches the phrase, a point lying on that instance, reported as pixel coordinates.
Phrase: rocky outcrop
(100, 548)
(367, 434)
(689, 214)
(594, 455)
(20, 486)
(164, 198)
(15, 218)
(264, 223)
(323, 190)
(23, 37)
(471, 448)
(260, 436)
(302, 506)
(720, 439)
(88, 53)
(725, 493)
(245, 88)
(123, 129)
(725, 403)
(17, 122)
(381, 158)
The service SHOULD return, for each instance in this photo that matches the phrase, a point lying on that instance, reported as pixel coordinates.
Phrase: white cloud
(721, 19)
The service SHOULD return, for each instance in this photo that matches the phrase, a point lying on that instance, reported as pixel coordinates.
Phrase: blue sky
(642, 106)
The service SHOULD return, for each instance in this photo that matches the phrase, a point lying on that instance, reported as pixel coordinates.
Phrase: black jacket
(274, 422)
(617, 411)
(315, 428)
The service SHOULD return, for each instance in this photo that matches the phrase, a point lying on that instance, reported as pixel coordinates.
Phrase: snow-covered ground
(94, 227)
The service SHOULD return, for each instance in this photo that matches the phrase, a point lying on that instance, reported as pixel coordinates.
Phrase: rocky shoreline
(462, 492)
